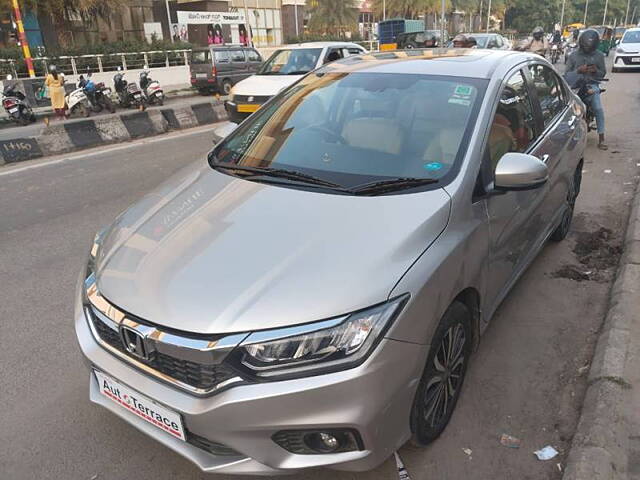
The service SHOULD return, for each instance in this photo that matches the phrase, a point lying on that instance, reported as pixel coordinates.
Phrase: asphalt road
(524, 379)
(12, 131)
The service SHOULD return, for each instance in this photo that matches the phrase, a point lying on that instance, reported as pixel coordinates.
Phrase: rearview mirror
(519, 171)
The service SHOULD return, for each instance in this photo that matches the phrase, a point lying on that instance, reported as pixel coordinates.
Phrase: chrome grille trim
(161, 344)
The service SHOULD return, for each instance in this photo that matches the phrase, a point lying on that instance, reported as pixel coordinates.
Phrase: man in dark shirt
(588, 63)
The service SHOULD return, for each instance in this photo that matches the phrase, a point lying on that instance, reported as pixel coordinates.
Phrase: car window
(199, 57)
(351, 128)
(221, 56)
(253, 56)
(499, 42)
(237, 55)
(333, 54)
(352, 51)
(513, 127)
(491, 42)
(549, 90)
(419, 37)
(631, 37)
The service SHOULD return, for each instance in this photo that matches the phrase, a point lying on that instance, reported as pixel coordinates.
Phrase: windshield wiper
(299, 72)
(280, 173)
(392, 184)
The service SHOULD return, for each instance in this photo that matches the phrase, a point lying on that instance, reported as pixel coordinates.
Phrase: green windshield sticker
(460, 101)
(463, 90)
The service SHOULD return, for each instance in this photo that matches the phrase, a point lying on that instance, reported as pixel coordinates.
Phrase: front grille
(197, 375)
(211, 447)
(628, 61)
(256, 98)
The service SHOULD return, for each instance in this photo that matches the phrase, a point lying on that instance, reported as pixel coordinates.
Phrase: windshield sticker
(432, 166)
(463, 90)
(460, 101)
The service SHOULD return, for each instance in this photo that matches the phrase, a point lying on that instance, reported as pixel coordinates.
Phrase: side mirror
(223, 131)
(519, 171)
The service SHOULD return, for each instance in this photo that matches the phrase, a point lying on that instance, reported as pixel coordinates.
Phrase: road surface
(525, 378)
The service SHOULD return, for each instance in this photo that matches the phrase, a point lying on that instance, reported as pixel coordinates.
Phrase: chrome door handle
(545, 158)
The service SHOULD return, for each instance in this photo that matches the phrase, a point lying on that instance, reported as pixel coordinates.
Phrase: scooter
(16, 106)
(99, 95)
(556, 50)
(579, 85)
(77, 102)
(128, 93)
(151, 88)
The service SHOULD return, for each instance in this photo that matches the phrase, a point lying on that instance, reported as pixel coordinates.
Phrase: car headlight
(320, 347)
(619, 50)
(95, 251)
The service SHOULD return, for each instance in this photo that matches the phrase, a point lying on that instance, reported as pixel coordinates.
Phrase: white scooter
(151, 88)
(77, 102)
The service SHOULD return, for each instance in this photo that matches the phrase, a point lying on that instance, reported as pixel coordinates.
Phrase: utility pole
(633, 15)
(384, 10)
(488, 16)
(295, 12)
(247, 24)
(166, 4)
(23, 39)
(562, 16)
(586, 8)
(442, 39)
(604, 17)
(481, 5)
(626, 15)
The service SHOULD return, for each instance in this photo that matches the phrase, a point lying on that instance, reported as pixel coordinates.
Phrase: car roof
(633, 29)
(318, 45)
(469, 63)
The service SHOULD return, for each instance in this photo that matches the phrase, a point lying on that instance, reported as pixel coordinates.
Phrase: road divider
(77, 135)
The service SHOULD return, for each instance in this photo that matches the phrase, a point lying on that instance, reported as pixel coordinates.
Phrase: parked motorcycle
(151, 88)
(129, 94)
(556, 50)
(15, 104)
(78, 103)
(99, 94)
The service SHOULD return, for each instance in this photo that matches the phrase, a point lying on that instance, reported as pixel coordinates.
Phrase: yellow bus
(571, 27)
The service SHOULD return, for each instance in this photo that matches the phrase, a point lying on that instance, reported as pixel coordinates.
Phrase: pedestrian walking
(55, 84)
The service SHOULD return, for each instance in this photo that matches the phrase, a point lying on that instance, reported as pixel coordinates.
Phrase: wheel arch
(470, 298)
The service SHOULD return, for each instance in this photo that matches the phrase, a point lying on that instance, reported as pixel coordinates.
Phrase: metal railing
(74, 65)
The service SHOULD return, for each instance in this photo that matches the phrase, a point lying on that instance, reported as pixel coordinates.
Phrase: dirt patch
(598, 253)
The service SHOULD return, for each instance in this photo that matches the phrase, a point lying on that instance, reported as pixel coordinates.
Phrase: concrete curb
(72, 136)
(600, 445)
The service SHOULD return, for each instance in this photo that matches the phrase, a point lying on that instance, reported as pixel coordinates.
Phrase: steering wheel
(334, 135)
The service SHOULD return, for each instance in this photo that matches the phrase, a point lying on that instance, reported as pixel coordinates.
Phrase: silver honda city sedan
(311, 293)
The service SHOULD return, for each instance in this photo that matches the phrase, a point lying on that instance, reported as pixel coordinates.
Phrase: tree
(334, 17)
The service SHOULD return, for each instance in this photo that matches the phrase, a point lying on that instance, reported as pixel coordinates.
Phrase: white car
(285, 66)
(628, 51)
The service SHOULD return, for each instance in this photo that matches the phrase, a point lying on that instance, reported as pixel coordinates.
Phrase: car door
(239, 69)
(556, 146)
(254, 60)
(513, 216)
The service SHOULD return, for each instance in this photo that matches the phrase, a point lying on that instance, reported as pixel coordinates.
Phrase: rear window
(253, 56)
(199, 57)
(221, 56)
(237, 55)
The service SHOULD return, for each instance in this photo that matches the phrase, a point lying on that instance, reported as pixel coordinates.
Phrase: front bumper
(626, 60)
(375, 399)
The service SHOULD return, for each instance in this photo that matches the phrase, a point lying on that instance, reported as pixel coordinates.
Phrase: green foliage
(334, 17)
(123, 46)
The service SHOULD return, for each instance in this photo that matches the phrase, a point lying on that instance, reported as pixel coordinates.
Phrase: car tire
(226, 87)
(562, 230)
(443, 375)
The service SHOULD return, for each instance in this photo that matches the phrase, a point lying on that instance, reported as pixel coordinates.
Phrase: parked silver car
(311, 295)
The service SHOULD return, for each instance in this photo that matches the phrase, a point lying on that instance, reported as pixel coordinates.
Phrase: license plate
(248, 108)
(635, 60)
(201, 75)
(13, 110)
(137, 95)
(143, 407)
(107, 91)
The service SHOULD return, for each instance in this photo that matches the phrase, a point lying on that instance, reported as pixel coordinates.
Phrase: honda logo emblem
(250, 99)
(133, 342)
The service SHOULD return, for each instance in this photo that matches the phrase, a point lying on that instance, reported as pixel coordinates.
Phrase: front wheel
(442, 379)
(562, 230)
(109, 105)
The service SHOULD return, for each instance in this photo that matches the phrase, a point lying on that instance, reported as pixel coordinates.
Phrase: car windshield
(631, 37)
(291, 62)
(353, 128)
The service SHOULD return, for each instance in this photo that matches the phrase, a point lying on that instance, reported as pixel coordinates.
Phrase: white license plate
(13, 110)
(107, 91)
(143, 407)
(635, 60)
(201, 75)
(137, 95)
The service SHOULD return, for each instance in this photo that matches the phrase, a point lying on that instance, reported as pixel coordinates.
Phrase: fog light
(310, 442)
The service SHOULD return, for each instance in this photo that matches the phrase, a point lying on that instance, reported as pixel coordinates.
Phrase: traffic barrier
(78, 135)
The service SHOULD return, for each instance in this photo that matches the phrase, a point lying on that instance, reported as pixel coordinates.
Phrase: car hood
(210, 253)
(630, 47)
(264, 85)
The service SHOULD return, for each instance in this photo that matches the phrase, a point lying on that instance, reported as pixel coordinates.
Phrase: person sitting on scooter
(537, 43)
(588, 63)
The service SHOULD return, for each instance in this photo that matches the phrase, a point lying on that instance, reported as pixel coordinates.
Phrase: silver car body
(627, 52)
(211, 254)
